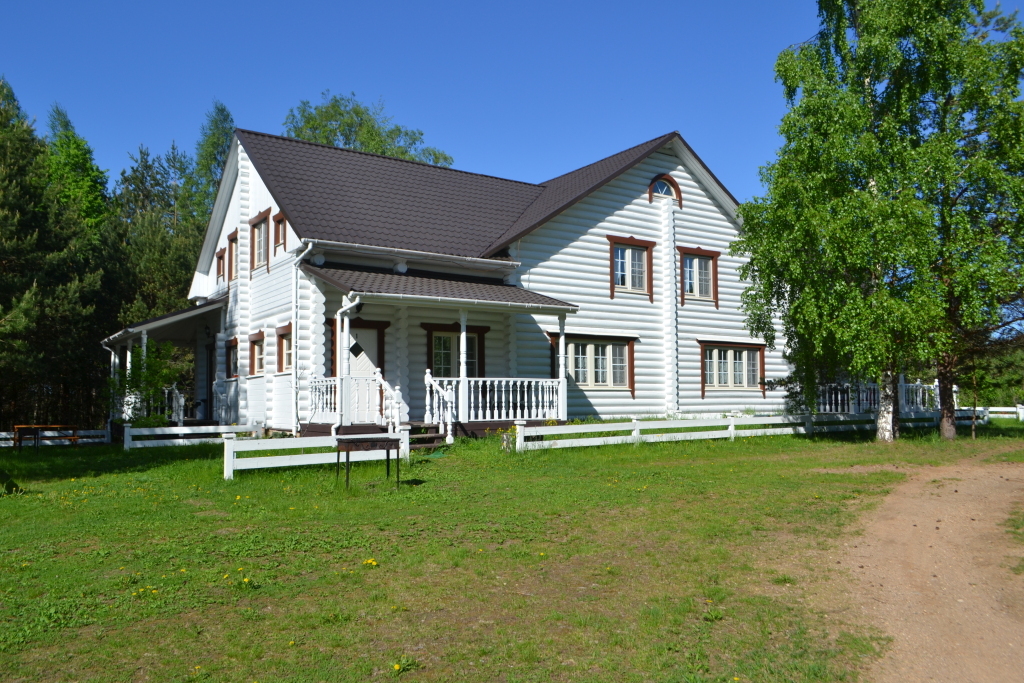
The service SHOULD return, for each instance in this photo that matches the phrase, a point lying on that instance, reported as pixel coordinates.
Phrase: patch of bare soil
(931, 570)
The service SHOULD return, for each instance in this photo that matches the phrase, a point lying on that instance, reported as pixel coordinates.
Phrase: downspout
(341, 360)
(295, 334)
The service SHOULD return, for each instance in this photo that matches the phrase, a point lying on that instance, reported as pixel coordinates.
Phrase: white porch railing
(371, 400)
(440, 404)
(860, 397)
(491, 399)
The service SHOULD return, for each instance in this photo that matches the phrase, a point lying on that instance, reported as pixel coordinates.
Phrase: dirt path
(931, 571)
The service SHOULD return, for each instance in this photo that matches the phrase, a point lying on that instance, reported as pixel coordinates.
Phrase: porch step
(424, 436)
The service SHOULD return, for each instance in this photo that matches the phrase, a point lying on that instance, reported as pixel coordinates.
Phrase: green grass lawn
(695, 561)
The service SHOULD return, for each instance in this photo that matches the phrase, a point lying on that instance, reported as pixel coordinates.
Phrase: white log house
(343, 291)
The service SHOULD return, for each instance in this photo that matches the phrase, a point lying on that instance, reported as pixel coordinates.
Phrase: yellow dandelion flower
(226, 575)
(397, 667)
(246, 580)
(238, 498)
(154, 591)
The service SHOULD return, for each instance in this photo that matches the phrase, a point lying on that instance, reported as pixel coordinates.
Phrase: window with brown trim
(285, 350)
(256, 357)
(631, 265)
(233, 255)
(220, 264)
(699, 268)
(664, 186)
(597, 362)
(443, 349)
(280, 233)
(231, 359)
(259, 241)
(732, 366)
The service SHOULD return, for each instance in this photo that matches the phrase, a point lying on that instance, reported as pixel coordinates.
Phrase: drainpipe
(463, 407)
(295, 334)
(343, 341)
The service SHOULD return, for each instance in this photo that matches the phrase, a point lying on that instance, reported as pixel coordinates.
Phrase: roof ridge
(629, 149)
(384, 156)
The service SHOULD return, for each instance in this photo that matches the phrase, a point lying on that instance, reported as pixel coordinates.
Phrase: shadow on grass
(62, 462)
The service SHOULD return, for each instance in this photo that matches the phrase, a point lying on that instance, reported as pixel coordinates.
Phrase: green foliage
(889, 232)
(346, 122)
(138, 389)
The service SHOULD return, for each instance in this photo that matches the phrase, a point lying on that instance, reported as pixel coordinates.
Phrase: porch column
(563, 393)
(128, 404)
(463, 383)
(343, 344)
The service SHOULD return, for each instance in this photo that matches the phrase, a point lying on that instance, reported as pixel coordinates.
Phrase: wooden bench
(36, 432)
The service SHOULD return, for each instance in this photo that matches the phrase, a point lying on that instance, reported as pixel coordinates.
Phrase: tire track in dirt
(931, 571)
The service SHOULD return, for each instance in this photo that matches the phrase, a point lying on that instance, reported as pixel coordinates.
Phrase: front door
(364, 352)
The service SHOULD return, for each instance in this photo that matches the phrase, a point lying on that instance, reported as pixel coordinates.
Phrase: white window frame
(589, 375)
(472, 355)
(233, 259)
(698, 278)
(286, 352)
(631, 256)
(720, 362)
(259, 244)
(257, 361)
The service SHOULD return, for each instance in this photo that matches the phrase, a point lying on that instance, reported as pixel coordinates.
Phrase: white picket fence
(181, 436)
(85, 436)
(233, 446)
(654, 431)
(1012, 412)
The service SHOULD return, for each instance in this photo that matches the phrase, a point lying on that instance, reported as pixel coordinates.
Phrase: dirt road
(931, 571)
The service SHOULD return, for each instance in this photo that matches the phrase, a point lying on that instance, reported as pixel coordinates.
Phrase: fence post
(127, 436)
(809, 424)
(732, 429)
(403, 435)
(229, 455)
(1020, 413)
(636, 431)
(520, 435)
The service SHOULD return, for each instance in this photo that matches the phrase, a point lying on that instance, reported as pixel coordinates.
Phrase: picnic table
(370, 442)
(36, 432)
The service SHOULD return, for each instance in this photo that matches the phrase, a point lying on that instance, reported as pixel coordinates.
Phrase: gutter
(342, 363)
(295, 335)
(412, 254)
(479, 303)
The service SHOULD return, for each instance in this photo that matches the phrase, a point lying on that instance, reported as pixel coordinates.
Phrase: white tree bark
(886, 395)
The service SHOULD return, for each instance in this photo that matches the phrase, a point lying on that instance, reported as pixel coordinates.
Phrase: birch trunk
(947, 407)
(886, 397)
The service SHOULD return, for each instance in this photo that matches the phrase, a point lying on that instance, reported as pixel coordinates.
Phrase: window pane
(661, 187)
(636, 270)
(471, 357)
(705, 276)
(737, 367)
(442, 356)
(753, 369)
(258, 348)
(723, 367)
(286, 348)
(233, 362)
(689, 277)
(709, 367)
(600, 364)
(619, 370)
(579, 363)
(620, 266)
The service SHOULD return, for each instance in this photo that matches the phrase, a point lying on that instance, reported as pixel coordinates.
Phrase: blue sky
(524, 90)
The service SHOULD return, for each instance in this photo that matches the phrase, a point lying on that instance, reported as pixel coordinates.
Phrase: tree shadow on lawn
(63, 462)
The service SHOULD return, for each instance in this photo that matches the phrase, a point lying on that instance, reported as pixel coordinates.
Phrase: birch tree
(889, 233)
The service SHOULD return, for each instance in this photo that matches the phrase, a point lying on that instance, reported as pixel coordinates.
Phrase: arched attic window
(664, 185)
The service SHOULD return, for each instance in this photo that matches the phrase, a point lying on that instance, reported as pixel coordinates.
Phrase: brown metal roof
(420, 283)
(341, 195)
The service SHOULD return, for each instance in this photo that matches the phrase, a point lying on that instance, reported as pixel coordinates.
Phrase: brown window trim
(280, 232)
(232, 266)
(481, 342)
(233, 342)
(257, 336)
(356, 324)
(630, 353)
(718, 344)
(671, 181)
(631, 242)
(261, 217)
(697, 251)
(280, 333)
(220, 260)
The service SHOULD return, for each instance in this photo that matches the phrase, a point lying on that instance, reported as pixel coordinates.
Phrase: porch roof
(424, 287)
(170, 326)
